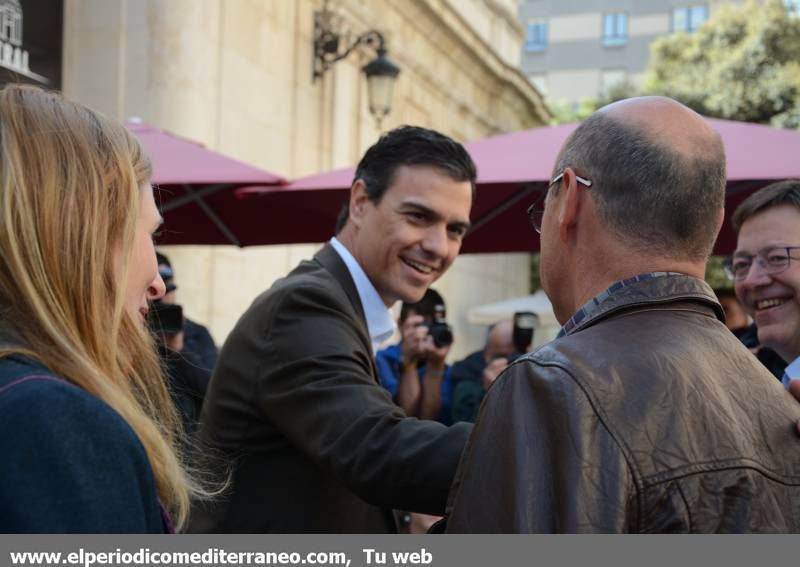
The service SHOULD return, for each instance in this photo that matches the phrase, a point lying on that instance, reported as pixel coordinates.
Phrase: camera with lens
(438, 329)
(165, 319)
(524, 324)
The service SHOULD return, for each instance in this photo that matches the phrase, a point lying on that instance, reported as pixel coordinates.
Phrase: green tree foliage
(564, 111)
(742, 64)
(715, 275)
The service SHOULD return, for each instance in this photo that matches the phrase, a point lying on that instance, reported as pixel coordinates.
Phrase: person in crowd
(415, 374)
(736, 319)
(473, 375)
(645, 414)
(187, 353)
(413, 371)
(319, 445)
(194, 340)
(735, 316)
(766, 268)
(89, 432)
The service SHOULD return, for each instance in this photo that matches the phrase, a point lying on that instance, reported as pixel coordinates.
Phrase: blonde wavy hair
(70, 182)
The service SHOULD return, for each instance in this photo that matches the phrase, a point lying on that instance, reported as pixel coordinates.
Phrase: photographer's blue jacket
(390, 367)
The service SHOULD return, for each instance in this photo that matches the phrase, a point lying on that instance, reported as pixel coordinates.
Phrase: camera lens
(441, 333)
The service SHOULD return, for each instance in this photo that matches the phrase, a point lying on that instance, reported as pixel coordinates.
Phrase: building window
(536, 39)
(689, 18)
(615, 29)
(11, 23)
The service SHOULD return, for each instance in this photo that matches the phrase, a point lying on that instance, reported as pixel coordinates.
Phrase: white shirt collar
(793, 370)
(380, 323)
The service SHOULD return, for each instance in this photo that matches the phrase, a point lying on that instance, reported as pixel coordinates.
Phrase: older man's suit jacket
(294, 406)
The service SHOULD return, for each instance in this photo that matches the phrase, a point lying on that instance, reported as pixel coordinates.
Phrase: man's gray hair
(656, 199)
(774, 195)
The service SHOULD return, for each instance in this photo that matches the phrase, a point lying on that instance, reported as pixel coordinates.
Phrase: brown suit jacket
(315, 443)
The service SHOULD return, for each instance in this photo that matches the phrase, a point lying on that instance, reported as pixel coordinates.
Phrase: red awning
(512, 168)
(197, 190)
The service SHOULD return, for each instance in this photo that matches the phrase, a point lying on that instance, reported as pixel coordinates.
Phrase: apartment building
(579, 49)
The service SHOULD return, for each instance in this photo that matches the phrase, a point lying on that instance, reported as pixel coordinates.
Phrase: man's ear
(358, 202)
(570, 204)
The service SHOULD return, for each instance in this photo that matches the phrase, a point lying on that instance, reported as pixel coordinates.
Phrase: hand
(434, 355)
(413, 338)
(493, 370)
(174, 342)
(421, 523)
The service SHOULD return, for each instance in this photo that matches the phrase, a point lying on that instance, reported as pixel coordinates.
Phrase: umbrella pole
(196, 197)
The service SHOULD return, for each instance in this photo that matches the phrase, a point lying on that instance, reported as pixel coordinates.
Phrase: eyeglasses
(771, 260)
(536, 210)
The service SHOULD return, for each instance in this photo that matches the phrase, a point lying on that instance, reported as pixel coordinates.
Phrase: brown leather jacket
(649, 416)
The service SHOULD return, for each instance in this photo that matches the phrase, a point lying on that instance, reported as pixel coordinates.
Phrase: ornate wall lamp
(332, 43)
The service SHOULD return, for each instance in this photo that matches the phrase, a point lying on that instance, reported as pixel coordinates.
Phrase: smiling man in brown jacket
(295, 406)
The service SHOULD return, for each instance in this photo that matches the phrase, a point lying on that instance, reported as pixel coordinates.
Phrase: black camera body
(440, 332)
(524, 324)
(438, 329)
(165, 319)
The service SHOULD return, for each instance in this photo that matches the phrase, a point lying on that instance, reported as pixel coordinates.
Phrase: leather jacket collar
(653, 292)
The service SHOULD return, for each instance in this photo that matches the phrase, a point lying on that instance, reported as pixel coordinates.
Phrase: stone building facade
(236, 76)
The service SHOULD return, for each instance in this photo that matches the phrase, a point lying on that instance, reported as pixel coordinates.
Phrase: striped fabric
(591, 306)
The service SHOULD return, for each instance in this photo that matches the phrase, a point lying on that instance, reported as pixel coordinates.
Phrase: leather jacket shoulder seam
(591, 397)
(637, 475)
(719, 465)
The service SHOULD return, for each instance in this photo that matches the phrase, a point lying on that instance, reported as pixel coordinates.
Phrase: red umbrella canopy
(756, 155)
(197, 190)
(514, 168)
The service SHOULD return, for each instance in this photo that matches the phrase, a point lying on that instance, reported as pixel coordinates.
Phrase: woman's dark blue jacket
(68, 462)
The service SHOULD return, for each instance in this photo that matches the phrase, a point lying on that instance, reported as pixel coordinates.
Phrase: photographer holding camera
(413, 371)
(193, 337)
(471, 377)
(186, 370)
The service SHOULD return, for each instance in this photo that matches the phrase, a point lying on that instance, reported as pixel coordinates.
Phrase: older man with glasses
(766, 269)
(646, 414)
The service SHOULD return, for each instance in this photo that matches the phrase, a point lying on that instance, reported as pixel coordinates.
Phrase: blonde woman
(87, 431)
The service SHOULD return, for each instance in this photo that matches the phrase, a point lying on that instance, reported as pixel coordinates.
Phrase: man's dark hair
(425, 306)
(410, 145)
(781, 193)
(655, 198)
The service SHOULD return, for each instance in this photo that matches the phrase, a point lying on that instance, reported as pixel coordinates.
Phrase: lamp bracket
(331, 45)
